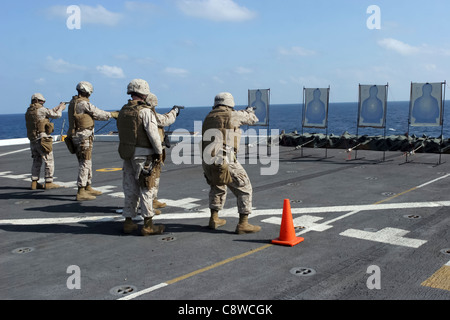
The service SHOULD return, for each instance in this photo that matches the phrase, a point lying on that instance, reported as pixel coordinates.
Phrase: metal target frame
(363, 124)
(265, 100)
(305, 120)
(441, 101)
(260, 124)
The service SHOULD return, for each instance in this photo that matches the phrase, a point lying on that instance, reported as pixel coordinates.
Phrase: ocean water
(342, 117)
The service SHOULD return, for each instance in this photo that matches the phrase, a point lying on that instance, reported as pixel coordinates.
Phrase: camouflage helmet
(85, 87)
(138, 86)
(151, 100)
(224, 99)
(37, 96)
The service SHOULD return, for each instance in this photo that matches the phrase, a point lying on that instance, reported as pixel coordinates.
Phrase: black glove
(177, 109)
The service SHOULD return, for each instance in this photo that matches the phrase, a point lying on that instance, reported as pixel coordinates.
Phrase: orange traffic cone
(287, 230)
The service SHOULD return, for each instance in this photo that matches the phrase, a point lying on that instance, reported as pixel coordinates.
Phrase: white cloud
(176, 71)
(243, 70)
(142, 7)
(61, 66)
(408, 50)
(296, 51)
(430, 67)
(218, 79)
(121, 56)
(146, 61)
(398, 46)
(40, 81)
(111, 71)
(216, 10)
(88, 15)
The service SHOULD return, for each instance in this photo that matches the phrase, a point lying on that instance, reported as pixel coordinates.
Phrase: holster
(47, 144)
(69, 144)
(149, 173)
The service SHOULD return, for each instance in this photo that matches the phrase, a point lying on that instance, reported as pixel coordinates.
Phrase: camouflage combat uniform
(37, 113)
(135, 193)
(83, 138)
(240, 184)
(221, 135)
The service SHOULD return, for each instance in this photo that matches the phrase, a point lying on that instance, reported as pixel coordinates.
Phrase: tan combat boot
(157, 204)
(35, 185)
(83, 195)
(149, 229)
(129, 226)
(51, 185)
(92, 191)
(214, 221)
(245, 227)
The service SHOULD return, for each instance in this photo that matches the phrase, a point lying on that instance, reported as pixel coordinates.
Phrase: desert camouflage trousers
(39, 157)
(83, 150)
(135, 194)
(240, 186)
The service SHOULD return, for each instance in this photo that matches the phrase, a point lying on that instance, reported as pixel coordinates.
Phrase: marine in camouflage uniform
(82, 114)
(164, 120)
(141, 149)
(39, 129)
(220, 165)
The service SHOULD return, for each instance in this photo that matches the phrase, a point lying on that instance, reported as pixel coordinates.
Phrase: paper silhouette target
(259, 99)
(315, 113)
(372, 106)
(426, 104)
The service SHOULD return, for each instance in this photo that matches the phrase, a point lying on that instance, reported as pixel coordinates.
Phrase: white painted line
(304, 220)
(20, 141)
(68, 220)
(7, 174)
(387, 235)
(17, 151)
(370, 207)
(186, 203)
(309, 222)
(72, 184)
(232, 212)
(432, 181)
(105, 189)
(142, 292)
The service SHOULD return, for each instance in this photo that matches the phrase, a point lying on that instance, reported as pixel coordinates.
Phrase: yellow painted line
(440, 279)
(186, 276)
(218, 264)
(109, 169)
(396, 196)
(413, 189)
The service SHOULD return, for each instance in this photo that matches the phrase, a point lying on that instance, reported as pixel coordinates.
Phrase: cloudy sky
(189, 50)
